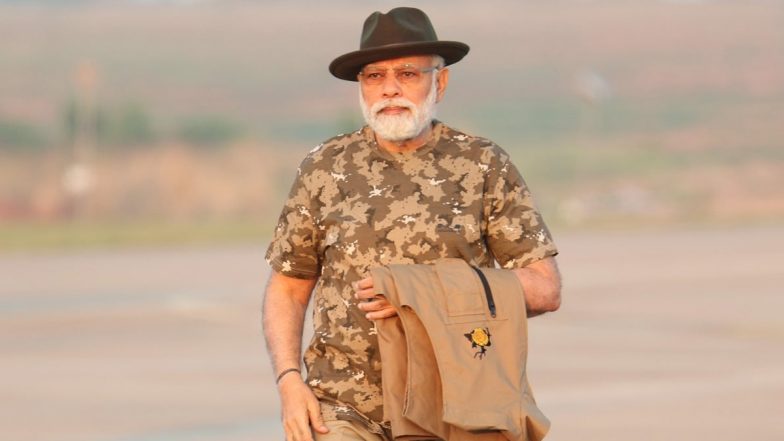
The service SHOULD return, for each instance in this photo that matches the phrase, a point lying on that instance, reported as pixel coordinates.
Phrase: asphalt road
(662, 335)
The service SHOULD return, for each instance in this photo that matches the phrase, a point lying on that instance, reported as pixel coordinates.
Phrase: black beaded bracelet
(286, 372)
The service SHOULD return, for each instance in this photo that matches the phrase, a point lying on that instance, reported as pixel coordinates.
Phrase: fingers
(363, 289)
(300, 410)
(364, 294)
(373, 305)
(382, 313)
(377, 309)
(297, 429)
(316, 421)
(365, 283)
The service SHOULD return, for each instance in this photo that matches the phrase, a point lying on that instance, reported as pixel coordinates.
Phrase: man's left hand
(376, 306)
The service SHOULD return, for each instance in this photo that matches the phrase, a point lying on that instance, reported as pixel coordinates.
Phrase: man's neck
(407, 145)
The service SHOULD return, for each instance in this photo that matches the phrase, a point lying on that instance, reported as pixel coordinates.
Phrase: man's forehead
(415, 60)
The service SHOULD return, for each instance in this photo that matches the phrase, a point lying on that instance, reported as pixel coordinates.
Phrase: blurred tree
(18, 135)
(70, 120)
(126, 125)
(209, 131)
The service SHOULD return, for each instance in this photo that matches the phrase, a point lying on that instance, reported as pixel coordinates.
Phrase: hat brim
(347, 66)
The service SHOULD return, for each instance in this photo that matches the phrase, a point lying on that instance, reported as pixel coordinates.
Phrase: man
(404, 189)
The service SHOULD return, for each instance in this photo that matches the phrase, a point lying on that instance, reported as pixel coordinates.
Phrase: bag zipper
(488, 292)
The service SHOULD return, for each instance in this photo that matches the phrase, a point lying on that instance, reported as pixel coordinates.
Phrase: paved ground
(662, 336)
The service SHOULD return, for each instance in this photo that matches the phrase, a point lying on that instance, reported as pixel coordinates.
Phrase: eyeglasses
(406, 74)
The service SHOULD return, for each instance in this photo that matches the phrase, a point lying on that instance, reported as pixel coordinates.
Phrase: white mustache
(395, 102)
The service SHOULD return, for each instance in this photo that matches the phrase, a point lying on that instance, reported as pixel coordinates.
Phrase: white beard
(404, 126)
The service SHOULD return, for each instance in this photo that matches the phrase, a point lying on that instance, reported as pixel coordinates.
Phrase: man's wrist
(285, 372)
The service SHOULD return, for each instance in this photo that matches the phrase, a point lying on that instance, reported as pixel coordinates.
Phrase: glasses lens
(403, 74)
(373, 76)
(407, 75)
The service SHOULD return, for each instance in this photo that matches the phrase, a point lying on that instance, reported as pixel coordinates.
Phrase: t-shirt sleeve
(516, 233)
(293, 250)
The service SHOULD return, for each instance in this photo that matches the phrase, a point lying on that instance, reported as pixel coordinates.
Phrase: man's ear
(443, 81)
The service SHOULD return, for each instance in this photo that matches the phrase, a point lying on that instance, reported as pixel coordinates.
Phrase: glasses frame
(398, 70)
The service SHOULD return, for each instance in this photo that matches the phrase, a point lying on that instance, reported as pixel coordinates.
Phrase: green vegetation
(209, 131)
(126, 125)
(19, 135)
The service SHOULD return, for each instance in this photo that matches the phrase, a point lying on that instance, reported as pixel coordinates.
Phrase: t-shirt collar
(435, 135)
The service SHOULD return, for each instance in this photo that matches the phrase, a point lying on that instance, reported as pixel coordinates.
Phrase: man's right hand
(300, 409)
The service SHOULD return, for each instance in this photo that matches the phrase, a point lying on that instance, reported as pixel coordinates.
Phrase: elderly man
(405, 189)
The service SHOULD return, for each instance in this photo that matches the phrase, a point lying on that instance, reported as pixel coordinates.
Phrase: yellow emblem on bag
(479, 338)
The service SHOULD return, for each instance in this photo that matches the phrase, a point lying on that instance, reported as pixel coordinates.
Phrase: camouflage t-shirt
(355, 205)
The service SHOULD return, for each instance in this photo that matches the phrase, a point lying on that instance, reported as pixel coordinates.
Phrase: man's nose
(390, 88)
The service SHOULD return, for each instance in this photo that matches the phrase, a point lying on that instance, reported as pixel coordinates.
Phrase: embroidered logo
(479, 338)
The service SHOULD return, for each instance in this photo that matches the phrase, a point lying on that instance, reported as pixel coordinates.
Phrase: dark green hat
(400, 32)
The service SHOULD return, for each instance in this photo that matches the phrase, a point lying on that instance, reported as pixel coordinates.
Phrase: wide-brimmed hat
(400, 32)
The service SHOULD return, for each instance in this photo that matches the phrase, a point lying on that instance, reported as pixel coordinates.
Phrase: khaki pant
(346, 431)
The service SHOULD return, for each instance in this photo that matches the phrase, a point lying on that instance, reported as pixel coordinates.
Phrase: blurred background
(146, 148)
